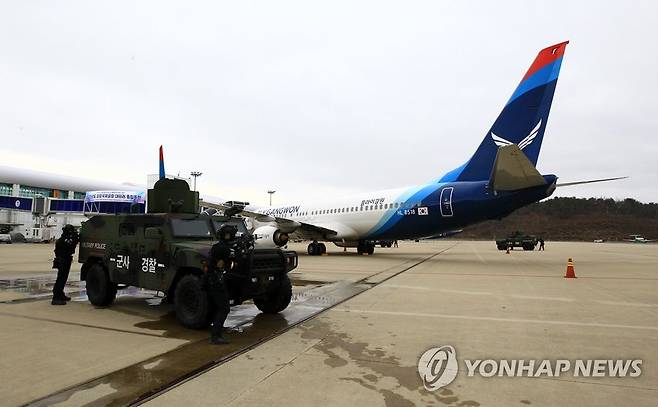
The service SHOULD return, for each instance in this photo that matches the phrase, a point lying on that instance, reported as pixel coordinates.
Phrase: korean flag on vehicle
(423, 211)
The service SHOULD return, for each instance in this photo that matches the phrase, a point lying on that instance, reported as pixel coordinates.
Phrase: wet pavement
(247, 328)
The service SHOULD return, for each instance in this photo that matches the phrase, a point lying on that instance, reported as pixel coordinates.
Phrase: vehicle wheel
(528, 247)
(313, 249)
(277, 300)
(370, 249)
(322, 248)
(100, 290)
(191, 302)
(501, 247)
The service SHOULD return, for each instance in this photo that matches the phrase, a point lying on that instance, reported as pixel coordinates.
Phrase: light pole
(271, 192)
(195, 174)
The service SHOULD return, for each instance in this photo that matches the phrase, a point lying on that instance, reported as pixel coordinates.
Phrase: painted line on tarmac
(627, 304)
(532, 297)
(495, 319)
(559, 274)
(55, 321)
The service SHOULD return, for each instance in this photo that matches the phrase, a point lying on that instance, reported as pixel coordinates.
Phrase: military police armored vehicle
(167, 250)
(517, 239)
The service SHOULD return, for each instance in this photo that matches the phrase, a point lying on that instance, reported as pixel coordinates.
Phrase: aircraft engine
(269, 237)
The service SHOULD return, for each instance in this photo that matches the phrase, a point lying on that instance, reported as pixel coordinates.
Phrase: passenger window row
(363, 208)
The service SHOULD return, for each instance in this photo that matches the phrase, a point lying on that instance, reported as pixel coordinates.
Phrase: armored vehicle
(167, 250)
(517, 239)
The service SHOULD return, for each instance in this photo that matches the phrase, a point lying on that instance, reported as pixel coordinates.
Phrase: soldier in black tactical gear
(64, 249)
(220, 261)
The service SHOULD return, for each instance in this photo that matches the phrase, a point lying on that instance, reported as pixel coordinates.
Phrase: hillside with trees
(574, 219)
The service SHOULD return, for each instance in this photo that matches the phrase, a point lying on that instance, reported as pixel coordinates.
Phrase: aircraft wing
(297, 230)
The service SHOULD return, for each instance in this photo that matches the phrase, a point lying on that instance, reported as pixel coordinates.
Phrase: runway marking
(445, 290)
(495, 319)
(559, 274)
(532, 297)
(626, 304)
(408, 287)
(519, 296)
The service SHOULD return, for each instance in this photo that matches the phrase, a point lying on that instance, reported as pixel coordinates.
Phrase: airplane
(638, 239)
(499, 178)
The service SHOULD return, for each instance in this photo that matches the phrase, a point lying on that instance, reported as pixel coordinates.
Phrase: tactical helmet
(226, 229)
(68, 229)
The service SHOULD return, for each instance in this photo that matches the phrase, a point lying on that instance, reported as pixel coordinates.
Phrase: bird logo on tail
(501, 142)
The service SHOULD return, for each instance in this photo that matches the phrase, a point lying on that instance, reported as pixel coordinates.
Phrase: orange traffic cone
(570, 272)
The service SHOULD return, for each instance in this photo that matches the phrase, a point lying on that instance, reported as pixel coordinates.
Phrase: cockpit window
(196, 228)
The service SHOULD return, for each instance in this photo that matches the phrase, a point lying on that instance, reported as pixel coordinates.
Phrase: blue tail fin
(162, 169)
(522, 121)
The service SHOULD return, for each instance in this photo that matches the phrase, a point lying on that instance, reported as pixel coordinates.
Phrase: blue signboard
(16, 203)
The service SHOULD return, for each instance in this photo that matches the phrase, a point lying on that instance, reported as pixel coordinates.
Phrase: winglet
(162, 168)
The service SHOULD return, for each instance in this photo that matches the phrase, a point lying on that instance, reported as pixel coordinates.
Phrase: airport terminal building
(37, 204)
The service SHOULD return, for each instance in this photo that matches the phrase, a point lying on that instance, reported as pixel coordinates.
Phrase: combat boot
(58, 301)
(218, 340)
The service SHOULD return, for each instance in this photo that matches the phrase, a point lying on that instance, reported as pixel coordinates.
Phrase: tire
(312, 249)
(100, 290)
(370, 249)
(191, 303)
(277, 300)
(322, 247)
(501, 247)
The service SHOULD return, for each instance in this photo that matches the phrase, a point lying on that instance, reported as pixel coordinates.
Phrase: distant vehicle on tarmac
(167, 250)
(517, 239)
(637, 239)
(5, 238)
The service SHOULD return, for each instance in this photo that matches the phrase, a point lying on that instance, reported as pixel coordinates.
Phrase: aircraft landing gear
(365, 247)
(316, 249)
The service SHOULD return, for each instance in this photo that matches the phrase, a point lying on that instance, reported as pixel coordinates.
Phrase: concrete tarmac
(365, 350)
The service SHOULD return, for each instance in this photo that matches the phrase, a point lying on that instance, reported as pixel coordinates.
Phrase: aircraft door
(446, 201)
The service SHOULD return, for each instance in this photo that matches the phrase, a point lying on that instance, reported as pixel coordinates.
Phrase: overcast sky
(314, 99)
